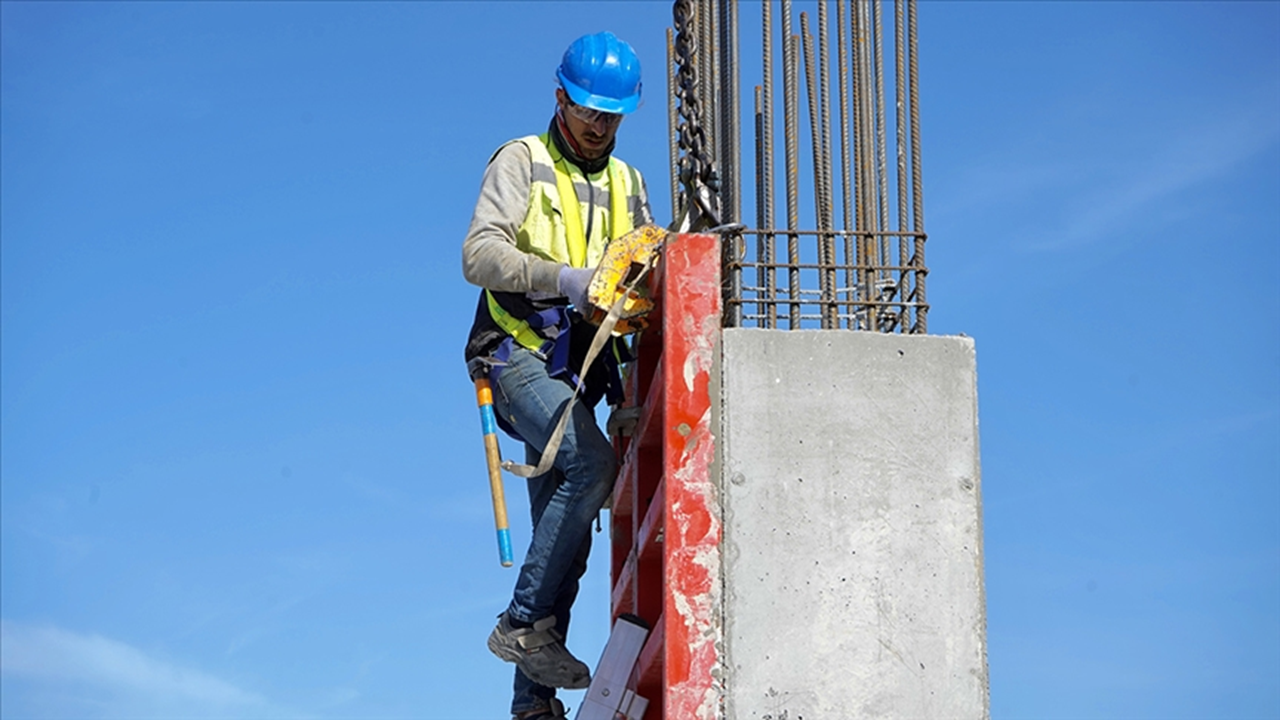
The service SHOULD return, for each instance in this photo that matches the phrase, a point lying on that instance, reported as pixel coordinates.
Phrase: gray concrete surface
(852, 563)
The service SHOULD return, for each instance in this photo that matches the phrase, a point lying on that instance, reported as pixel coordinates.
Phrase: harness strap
(519, 329)
(542, 633)
(552, 321)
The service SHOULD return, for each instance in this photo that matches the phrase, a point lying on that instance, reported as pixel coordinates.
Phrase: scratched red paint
(692, 527)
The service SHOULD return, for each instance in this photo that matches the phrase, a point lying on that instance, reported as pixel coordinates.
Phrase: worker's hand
(573, 284)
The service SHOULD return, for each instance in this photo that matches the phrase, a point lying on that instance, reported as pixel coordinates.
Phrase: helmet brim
(621, 106)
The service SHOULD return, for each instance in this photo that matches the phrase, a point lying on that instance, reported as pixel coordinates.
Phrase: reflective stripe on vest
(575, 236)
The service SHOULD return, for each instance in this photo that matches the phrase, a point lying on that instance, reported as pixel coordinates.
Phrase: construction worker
(548, 206)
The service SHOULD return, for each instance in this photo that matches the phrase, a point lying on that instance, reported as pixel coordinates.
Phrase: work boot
(553, 711)
(539, 653)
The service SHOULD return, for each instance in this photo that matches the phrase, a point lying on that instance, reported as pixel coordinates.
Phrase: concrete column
(852, 545)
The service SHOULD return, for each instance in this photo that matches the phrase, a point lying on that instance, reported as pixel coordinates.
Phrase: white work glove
(573, 284)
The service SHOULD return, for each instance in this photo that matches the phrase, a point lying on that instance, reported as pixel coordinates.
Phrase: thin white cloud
(121, 679)
(1196, 156)
(1079, 179)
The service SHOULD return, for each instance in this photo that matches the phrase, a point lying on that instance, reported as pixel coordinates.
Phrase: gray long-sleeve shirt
(490, 257)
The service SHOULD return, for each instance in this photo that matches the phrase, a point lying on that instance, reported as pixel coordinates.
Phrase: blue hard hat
(601, 72)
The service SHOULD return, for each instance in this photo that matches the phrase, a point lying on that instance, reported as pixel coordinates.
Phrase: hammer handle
(493, 457)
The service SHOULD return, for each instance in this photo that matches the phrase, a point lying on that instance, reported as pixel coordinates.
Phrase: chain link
(696, 168)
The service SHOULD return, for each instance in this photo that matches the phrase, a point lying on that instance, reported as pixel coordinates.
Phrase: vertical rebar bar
(790, 88)
(899, 87)
(857, 98)
(731, 134)
(789, 131)
(882, 160)
(705, 20)
(846, 190)
(824, 116)
(760, 203)
(767, 254)
(856, 93)
(868, 218)
(826, 243)
(917, 183)
(815, 132)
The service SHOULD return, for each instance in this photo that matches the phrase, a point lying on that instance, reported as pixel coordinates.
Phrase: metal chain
(696, 167)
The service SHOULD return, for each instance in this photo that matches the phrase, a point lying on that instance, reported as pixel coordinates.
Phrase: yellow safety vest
(555, 230)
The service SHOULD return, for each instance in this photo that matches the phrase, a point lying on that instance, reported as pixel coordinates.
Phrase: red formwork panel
(666, 525)
(691, 544)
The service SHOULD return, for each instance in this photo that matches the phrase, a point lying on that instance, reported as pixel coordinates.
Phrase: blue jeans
(564, 502)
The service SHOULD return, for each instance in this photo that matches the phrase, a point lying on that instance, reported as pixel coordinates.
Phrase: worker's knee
(589, 456)
(594, 467)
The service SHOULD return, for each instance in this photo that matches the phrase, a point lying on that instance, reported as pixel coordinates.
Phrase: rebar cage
(868, 271)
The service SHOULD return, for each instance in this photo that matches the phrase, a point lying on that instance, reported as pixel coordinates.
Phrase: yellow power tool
(626, 259)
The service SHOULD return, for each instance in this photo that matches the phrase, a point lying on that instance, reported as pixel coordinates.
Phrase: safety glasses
(592, 116)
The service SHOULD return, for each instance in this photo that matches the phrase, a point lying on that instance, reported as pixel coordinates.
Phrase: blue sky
(242, 474)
